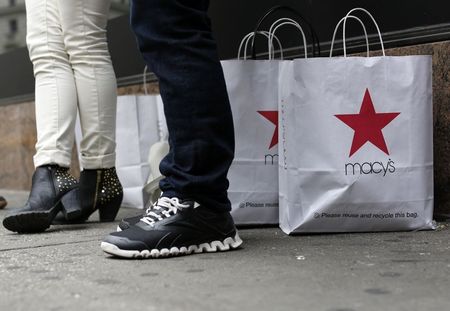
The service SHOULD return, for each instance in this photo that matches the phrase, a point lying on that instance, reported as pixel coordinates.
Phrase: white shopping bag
(253, 175)
(356, 144)
(253, 90)
(141, 125)
(137, 131)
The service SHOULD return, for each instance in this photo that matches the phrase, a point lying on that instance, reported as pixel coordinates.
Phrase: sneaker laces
(163, 208)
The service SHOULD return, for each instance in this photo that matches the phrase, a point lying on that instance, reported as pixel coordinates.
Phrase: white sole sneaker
(214, 246)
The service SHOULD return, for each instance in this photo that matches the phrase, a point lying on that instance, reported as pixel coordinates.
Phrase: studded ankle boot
(53, 189)
(100, 189)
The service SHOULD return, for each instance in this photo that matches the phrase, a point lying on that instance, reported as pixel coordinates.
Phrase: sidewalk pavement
(64, 269)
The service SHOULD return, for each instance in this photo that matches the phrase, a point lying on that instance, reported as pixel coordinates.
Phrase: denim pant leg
(175, 39)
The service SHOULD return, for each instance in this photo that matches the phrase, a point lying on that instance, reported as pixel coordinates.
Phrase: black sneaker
(174, 227)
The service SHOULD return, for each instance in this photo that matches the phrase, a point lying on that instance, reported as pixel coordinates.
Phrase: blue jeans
(175, 39)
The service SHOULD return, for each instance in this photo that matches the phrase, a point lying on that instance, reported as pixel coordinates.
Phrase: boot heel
(108, 212)
(71, 206)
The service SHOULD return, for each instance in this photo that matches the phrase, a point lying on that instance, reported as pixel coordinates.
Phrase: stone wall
(18, 136)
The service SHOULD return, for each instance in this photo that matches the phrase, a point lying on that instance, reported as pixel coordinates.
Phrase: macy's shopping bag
(253, 175)
(356, 144)
(253, 90)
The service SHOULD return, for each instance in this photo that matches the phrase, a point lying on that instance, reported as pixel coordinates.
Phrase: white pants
(67, 44)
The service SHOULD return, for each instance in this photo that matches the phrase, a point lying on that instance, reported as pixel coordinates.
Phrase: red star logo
(272, 116)
(368, 125)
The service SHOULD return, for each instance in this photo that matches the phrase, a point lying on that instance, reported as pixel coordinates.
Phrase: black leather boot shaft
(49, 184)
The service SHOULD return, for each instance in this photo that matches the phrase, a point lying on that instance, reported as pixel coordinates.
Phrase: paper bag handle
(373, 20)
(313, 34)
(246, 39)
(337, 28)
(283, 22)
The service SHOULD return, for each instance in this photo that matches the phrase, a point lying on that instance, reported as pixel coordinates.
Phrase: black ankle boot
(100, 189)
(53, 189)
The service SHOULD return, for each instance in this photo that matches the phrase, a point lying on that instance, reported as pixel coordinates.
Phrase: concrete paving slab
(64, 269)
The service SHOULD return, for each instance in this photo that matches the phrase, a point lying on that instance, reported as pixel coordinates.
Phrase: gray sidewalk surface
(64, 269)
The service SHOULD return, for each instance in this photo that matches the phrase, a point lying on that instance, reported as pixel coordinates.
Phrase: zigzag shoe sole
(214, 246)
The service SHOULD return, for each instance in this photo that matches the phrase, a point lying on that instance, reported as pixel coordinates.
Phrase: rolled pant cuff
(96, 162)
(47, 157)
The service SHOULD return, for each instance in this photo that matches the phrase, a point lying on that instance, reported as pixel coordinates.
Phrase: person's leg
(193, 215)
(56, 98)
(176, 41)
(56, 107)
(84, 30)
